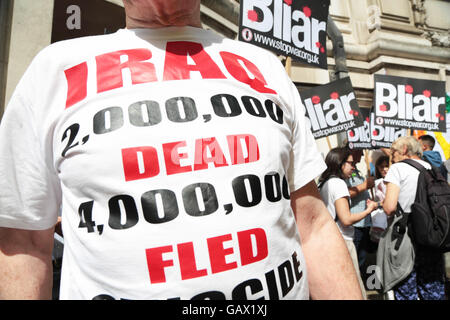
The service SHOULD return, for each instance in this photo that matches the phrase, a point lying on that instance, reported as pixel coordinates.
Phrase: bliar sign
(332, 108)
(371, 135)
(360, 137)
(410, 103)
(293, 28)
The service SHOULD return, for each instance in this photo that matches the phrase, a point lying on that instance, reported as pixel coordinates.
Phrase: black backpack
(430, 212)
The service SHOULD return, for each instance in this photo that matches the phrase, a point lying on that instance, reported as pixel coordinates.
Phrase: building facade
(409, 38)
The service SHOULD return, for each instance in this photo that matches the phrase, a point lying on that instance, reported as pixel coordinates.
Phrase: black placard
(371, 135)
(332, 108)
(293, 28)
(410, 103)
(360, 137)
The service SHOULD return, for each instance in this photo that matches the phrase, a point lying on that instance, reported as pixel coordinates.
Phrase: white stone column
(31, 31)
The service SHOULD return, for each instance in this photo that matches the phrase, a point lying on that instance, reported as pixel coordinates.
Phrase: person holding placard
(334, 192)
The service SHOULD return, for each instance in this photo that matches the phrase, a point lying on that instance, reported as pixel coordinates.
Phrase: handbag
(395, 255)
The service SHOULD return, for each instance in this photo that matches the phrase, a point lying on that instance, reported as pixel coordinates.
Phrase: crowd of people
(147, 203)
(355, 202)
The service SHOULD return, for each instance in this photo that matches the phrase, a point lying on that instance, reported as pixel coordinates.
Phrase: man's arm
(391, 199)
(26, 264)
(331, 274)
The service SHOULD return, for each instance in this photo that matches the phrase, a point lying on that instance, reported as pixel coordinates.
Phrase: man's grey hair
(413, 147)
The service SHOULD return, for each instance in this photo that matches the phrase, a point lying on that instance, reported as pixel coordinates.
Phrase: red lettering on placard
(76, 83)
(109, 68)
(149, 163)
(176, 65)
(245, 71)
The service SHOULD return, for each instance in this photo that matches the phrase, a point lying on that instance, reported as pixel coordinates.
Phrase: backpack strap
(414, 164)
(433, 172)
(401, 226)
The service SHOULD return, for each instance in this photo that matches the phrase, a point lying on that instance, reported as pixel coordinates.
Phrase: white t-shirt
(332, 190)
(380, 189)
(405, 176)
(379, 218)
(172, 153)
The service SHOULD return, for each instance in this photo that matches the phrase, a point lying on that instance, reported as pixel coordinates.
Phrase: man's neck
(155, 24)
(154, 15)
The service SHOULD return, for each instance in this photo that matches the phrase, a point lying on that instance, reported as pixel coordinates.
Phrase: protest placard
(295, 29)
(332, 108)
(410, 103)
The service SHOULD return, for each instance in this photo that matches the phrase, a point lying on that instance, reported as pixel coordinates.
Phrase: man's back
(405, 177)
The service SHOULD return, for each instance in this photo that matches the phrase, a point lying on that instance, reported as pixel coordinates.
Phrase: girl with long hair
(336, 196)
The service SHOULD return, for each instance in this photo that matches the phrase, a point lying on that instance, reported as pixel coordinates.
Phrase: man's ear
(404, 150)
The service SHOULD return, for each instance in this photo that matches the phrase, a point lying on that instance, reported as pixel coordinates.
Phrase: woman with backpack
(426, 281)
(335, 194)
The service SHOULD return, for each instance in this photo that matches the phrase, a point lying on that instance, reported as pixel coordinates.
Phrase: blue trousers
(426, 281)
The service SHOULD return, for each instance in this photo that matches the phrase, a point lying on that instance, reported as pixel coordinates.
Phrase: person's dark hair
(334, 160)
(379, 161)
(428, 140)
(356, 153)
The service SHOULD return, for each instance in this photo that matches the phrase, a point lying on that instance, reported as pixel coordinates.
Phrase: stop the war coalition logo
(410, 103)
(294, 28)
(332, 108)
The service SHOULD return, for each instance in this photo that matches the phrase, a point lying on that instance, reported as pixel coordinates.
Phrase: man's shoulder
(255, 50)
(403, 167)
(69, 48)
(80, 42)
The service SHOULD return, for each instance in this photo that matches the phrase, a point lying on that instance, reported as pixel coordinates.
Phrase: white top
(380, 189)
(405, 176)
(172, 153)
(379, 217)
(332, 190)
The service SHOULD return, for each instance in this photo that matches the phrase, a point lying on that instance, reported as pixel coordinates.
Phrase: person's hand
(371, 205)
(370, 182)
(58, 228)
